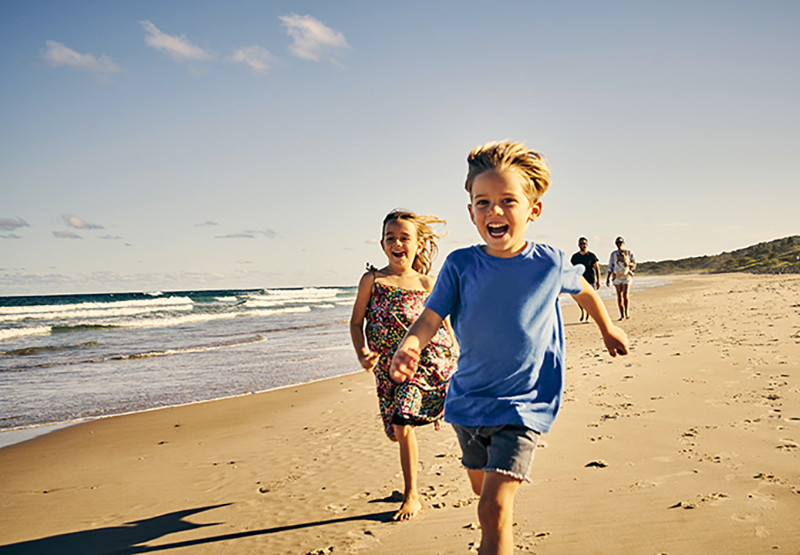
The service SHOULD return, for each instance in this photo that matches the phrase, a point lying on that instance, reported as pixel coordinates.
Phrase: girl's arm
(449, 327)
(366, 358)
(614, 338)
(431, 281)
(404, 362)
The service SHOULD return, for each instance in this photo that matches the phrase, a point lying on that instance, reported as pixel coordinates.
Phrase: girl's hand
(368, 359)
(404, 364)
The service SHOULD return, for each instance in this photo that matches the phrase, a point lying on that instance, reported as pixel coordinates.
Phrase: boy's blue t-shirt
(507, 320)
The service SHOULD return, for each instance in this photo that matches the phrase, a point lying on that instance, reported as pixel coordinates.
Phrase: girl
(389, 300)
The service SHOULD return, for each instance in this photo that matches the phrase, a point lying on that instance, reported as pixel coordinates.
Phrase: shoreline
(689, 445)
(29, 432)
(11, 436)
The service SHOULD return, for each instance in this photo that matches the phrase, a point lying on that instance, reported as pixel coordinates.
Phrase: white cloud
(66, 235)
(248, 234)
(243, 235)
(10, 224)
(312, 38)
(259, 59)
(56, 54)
(178, 47)
(78, 223)
(206, 223)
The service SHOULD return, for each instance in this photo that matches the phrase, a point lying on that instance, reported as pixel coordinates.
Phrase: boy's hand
(404, 364)
(368, 359)
(616, 341)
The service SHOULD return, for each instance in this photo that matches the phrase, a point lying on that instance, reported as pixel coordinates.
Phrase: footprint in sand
(761, 500)
(277, 484)
(337, 508)
(787, 445)
(702, 500)
(599, 463)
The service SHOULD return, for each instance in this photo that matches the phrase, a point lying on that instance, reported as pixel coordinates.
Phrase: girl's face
(400, 243)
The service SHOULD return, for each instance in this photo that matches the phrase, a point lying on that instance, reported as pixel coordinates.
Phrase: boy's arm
(404, 362)
(614, 338)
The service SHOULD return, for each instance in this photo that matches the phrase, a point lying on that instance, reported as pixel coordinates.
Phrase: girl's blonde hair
(424, 258)
(507, 156)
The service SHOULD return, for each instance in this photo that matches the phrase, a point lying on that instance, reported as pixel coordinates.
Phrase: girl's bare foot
(409, 509)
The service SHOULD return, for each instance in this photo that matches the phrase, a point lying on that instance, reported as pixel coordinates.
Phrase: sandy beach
(689, 445)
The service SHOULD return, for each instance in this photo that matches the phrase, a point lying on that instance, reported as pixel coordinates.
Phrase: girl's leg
(496, 513)
(409, 461)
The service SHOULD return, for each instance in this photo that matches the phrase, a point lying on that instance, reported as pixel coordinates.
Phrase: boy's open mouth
(497, 230)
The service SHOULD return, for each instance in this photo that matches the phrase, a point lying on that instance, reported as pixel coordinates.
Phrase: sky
(161, 146)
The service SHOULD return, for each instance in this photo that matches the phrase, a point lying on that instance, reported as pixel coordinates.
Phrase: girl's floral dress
(390, 313)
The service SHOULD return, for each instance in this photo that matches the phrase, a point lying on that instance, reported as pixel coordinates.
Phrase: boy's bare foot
(408, 510)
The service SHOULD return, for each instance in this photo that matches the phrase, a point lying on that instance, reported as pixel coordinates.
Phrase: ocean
(69, 358)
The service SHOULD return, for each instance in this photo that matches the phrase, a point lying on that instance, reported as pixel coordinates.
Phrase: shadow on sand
(127, 539)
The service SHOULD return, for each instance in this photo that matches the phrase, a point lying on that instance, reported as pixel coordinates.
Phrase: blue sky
(158, 145)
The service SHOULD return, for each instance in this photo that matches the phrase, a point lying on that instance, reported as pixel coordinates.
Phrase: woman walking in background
(621, 264)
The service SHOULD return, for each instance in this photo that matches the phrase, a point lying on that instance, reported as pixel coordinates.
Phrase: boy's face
(501, 211)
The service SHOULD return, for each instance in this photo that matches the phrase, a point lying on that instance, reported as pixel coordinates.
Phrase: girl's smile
(400, 243)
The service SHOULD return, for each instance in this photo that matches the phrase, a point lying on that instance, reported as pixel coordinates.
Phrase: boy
(502, 298)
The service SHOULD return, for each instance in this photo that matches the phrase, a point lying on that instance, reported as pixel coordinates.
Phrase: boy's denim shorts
(506, 449)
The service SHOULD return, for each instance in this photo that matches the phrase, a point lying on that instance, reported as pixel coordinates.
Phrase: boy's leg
(498, 459)
(475, 480)
(409, 461)
(496, 513)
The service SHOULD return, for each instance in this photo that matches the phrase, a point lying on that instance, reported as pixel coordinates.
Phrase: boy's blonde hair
(504, 156)
(424, 258)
